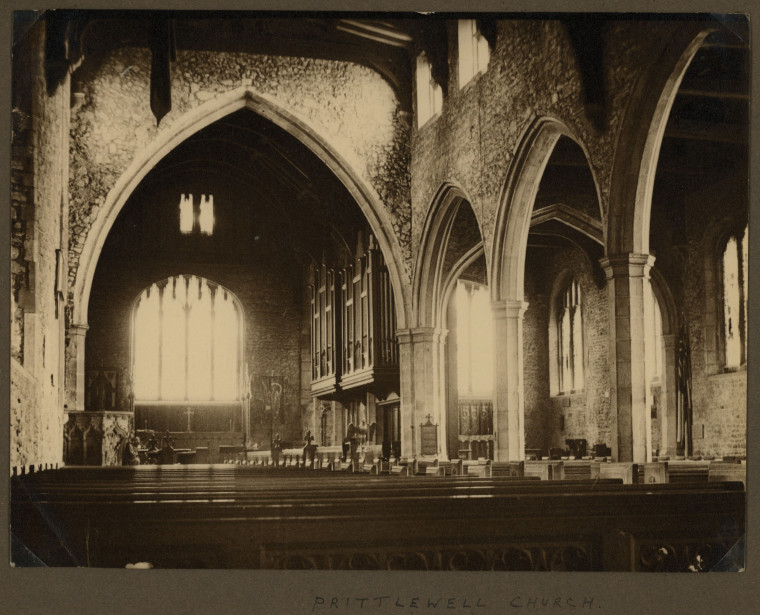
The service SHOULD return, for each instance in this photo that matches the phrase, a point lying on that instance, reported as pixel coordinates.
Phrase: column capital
(627, 265)
(78, 329)
(420, 334)
(509, 309)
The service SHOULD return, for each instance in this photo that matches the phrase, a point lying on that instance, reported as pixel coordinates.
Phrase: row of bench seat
(629, 473)
(247, 516)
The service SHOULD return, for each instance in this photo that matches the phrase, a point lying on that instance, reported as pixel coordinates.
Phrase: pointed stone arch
(221, 106)
(513, 218)
(507, 267)
(204, 115)
(423, 345)
(428, 285)
(639, 140)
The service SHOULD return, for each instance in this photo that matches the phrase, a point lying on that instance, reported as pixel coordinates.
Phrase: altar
(205, 444)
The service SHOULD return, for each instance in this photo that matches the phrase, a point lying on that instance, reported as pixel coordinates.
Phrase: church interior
(396, 291)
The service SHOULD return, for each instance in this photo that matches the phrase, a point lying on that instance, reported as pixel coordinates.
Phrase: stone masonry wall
(38, 205)
(349, 106)
(532, 73)
(719, 399)
(587, 413)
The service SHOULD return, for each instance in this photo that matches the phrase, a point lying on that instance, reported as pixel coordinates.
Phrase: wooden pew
(581, 468)
(727, 471)
(627, 472)
(253, 517)
(429, 467)
(688, 471)
(546, 469)
(508, 468)
(481, 467)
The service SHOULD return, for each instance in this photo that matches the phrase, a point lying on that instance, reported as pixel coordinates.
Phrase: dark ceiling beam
(379, 32)
(488, 28)
(571, 217)
(728, 88)
(433, 39)
(287, 213)
(706, 93)
(63, 46)
(162, 53)
(586, 39)
(718, 133)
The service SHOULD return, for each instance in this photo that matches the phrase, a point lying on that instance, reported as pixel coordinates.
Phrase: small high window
(429, 93)
(186, 213)
(735, 300)
(204, 217)
(473, 51)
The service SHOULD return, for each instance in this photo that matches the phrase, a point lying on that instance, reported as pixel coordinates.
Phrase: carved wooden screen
(324, 315)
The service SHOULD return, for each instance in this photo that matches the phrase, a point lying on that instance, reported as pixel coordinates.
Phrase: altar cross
(188, 413)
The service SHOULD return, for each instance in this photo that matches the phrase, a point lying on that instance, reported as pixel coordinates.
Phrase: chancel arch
(184, 128)
(243, 209)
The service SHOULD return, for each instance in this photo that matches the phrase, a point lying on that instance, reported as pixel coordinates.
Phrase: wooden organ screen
(324, 325)
(368, 323)
(353, 327)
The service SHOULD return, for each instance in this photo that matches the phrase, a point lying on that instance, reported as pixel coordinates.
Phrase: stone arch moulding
(665, 301)
(510, 242)
(202, 116)
(428, 282)
(638, 143)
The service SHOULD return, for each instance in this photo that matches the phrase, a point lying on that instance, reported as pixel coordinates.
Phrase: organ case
(353, 328)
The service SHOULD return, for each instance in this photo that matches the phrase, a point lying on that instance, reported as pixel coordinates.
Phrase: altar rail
(233, 516)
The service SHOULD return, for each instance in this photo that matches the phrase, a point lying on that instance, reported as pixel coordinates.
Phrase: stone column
(75, 370)
(509, 400)
(627, 280)
(668, 413)
(406, 384)
(420, 355)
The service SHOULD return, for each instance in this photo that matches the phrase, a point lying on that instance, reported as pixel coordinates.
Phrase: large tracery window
(570, 340)
(186, 342)
(735, 300)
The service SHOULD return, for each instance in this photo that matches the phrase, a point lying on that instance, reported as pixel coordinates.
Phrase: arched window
(735, 300)
(429, 93)
(187, 336)
(473, 51)
(569, 326)
(474, 341)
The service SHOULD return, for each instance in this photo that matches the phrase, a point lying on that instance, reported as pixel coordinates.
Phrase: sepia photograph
(392, 291)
